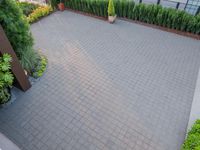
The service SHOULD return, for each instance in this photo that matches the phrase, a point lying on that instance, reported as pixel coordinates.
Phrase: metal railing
(43, 2)
(190, 6)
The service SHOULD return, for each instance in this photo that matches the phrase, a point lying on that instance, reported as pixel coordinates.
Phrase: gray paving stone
(107, 86)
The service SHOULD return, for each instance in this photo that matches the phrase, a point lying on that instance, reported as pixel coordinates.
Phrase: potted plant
(111, 12)
(6, 78)
(61, 5)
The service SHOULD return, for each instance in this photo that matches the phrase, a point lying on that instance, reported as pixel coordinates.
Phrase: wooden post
(20, 78)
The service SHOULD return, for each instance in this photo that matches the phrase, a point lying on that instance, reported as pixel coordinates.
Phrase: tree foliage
(18, 32)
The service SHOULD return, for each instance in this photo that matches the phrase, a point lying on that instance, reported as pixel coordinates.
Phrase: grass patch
(192, 141)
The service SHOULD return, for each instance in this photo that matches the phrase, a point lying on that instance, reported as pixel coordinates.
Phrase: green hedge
(152, 14)
(97, 7)
(18, 32)
(192, 141)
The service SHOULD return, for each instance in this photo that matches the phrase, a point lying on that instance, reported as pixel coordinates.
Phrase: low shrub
(152, 14)
(40, 67)
(6, 78)
(192, 141)
(27, 8)
(38, 13)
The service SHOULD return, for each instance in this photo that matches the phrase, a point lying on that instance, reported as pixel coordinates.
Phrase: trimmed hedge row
(152, 14)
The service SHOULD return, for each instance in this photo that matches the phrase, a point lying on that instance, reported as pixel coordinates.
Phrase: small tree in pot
(111, 12)
(61, 5)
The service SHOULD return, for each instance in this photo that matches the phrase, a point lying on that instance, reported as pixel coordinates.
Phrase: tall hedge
(18, 32)
(152, 14)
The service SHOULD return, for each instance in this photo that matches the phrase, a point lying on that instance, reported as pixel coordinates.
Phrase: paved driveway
(107, 86)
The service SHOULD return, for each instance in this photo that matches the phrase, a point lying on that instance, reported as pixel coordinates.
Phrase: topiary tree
(111, 8)
(18, 32)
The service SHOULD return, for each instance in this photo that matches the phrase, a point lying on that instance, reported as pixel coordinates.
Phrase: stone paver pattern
(107, 86)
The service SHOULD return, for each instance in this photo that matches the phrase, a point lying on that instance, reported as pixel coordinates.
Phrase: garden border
(186, 34)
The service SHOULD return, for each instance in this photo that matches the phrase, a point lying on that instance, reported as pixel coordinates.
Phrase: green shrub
(192, 141)
(6, 78)
(27, 8)
(38, 13)
(111, 8)
(131, 5)
(54, 3)
(18, 32)
(40, 67)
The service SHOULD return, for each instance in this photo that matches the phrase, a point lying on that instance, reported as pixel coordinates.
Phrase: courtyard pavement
(108, 86)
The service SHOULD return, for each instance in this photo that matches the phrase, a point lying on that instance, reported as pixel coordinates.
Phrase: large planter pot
(112, 19)
(61, 6)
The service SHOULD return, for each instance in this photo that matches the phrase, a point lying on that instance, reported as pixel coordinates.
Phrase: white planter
(111, 19)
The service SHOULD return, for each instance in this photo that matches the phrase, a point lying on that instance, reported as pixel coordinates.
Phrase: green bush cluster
(6, 78)
(39, 12)
(18, 32)
(27, 8)
(40, 67)
(192, 141)
(167, 17)
(152, 14)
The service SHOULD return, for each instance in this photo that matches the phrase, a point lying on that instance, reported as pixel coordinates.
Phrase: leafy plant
(111, 8)
(18, 32)
(6, 78)
(40, 67)
(27, 8)
(192, 141)
(38, 13)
